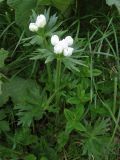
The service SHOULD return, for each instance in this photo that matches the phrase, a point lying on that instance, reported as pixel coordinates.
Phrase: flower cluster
(40, 23)
(62, 46)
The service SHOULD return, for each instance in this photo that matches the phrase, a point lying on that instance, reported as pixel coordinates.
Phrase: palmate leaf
(73, 64)
(23, 136)
(96, 139)
(33, 109)
(73, 119)
(8, 153)
(28, 113)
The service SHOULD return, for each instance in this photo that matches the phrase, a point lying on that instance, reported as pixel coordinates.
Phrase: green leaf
(18, 89)
(74, 100)
(3, 56)
(79, 127)
(30, 157)
(22, 10)
(62, 139)
(75, 114)
(69, 127)
(2, 114)
(23, 136)
(1, 1)
(49, 59)
(62, 5)
(79, 112)
(59, 4)
(43, 158)
(4, 126)
(69, 115)
(96, 72)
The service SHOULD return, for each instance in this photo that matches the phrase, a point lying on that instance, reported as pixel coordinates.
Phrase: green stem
(48, 64)
(57, 80)
(115, 95)
(49, 72)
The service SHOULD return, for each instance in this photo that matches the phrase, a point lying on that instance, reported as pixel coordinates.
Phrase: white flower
(54, 40)
(63, 43)
(68, 51)
(41, 21)
(69, 40)
(62, 46)
(33, 27)
(58, 49)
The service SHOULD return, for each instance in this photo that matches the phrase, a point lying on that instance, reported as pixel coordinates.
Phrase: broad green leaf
(22, 10)
(18, 89)
(59, 4)
(1, 1)
(62, 5)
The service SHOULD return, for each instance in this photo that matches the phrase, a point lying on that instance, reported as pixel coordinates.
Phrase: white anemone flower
(33, 27)
(68, 51)
(41, 21)
(54, 40)
(62, 46)
(69, 40)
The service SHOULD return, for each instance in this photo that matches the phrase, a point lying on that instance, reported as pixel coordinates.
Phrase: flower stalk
(58, 79)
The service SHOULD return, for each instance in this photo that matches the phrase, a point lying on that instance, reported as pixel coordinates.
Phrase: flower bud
(69, 40)
(33, 27)
(54, 40)
(41, 21)
(58, 49)
(68, 51)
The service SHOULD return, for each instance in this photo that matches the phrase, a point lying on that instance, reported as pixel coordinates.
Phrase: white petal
(63, 43)
(33, 27)
(54, 40)
(68, 51)
(41, 21)
(58, 49)
(69, 40)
